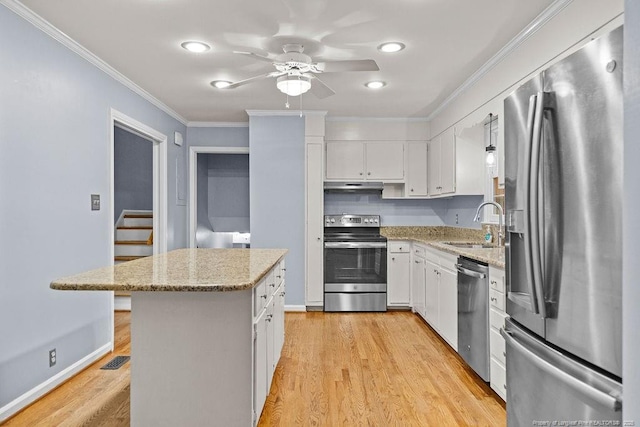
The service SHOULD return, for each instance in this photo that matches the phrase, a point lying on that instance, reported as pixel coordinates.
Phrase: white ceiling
(447, 40)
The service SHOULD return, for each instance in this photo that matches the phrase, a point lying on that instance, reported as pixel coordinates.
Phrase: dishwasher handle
(470, 273)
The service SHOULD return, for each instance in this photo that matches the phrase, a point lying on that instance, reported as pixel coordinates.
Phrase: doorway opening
(219, 197)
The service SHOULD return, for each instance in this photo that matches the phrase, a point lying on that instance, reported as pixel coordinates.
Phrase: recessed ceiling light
(391, 47)
(197, 47)
(220, 84)
(375, 85)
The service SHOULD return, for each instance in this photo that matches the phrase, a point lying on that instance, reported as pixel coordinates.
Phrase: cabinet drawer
(496, 318)
(399, 247)
(260, 296)
(419, 251)
(496, 279)
(496, 299)
(449, 262)
(498, 379)
(496, 344)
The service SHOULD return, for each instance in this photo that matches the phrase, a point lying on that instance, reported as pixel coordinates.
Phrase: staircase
(133, 238)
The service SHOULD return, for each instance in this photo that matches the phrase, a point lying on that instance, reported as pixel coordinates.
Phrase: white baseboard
(41, 389)
(295, 308)
(122, 303)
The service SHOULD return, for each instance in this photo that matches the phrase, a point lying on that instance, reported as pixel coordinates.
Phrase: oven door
(355, 263)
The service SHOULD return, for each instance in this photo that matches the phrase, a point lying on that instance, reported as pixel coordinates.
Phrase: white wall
(54, 153)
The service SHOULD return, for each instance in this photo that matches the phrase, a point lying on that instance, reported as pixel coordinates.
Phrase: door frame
(193, 181)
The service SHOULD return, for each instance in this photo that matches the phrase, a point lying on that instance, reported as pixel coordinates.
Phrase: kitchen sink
(463, 245)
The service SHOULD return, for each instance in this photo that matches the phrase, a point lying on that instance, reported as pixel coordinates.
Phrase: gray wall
(228, 192)
(203, 227)
(631, 212)
(54, 152)
(277, 188)
(218, 136)
(394, 212)
(133, 172)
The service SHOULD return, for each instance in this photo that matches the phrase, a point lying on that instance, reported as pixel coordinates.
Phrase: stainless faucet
(500, 212)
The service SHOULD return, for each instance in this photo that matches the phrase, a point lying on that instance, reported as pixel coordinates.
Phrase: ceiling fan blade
(254, 56)
(353, 65)
(320, 89)
(254, 79)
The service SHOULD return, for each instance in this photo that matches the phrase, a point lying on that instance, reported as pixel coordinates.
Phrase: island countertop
(181, 270)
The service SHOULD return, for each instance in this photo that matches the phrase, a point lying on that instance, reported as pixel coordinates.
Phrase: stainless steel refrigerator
(563, 184)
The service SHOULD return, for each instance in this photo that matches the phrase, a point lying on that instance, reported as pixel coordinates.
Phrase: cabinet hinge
(255, 332)
(255, 418)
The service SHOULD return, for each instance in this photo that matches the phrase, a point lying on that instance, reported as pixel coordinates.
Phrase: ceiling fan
(295, 71)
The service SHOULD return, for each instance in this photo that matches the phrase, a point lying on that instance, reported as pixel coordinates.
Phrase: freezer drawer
(544, 384)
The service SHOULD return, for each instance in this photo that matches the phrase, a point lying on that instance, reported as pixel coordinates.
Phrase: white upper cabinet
(359, 160)
(434, 166)
(417, 169)
(384, 160)
(448, 162)
(345, 160)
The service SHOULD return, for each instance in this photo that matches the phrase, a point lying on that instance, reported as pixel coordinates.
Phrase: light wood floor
(337, 369)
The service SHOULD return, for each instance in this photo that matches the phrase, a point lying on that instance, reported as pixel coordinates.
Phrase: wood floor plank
(336, 369)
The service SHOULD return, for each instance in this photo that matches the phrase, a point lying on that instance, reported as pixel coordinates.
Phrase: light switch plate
(178, 139)
(95, 202)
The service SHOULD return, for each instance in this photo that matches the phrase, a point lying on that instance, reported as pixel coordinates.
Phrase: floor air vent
(116, 362)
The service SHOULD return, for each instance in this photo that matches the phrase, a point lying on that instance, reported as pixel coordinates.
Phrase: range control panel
(352, 220)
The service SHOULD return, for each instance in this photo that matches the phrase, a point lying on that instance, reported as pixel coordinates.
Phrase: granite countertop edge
(492, 256)
(72, 283)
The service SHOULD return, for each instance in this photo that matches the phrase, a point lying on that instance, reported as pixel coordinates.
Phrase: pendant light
(490, 150)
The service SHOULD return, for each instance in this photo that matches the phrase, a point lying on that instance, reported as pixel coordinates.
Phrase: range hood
(353, 187)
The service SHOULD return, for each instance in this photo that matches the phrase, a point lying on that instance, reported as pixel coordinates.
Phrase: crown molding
(377, 119)
(256, 113)
(540, 21)
(218, 124)
(53, 32)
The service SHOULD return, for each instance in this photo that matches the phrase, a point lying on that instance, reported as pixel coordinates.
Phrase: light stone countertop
(436, 237)
(181, 270)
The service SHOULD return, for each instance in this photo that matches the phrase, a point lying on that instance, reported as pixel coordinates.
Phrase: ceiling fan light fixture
(293, 85)
(220, 84)
(391, 47)
(195, 46)
(375, 85)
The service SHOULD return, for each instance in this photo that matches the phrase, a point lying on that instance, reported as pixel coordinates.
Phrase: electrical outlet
(52, 357)
(456, 218)
(95, 202)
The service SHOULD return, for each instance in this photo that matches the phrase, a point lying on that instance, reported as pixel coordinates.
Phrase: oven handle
(355, 245)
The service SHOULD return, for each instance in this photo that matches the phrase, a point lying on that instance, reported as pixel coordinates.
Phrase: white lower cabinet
(418, 281)
(399, 274)
(434, 291)
(497, 317)
(268, 334)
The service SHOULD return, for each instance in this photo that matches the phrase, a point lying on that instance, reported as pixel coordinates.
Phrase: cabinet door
(270, 342)
(315, 230)
(384, 160)
(433, 168)
(431, 294)
(260, 387)
(448, 162)
(448, 295)
(278, 324)
(345, 160)
(399, 273)
(417, 285)
(416, 169)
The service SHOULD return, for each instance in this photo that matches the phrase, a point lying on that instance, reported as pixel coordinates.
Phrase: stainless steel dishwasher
(473, 314)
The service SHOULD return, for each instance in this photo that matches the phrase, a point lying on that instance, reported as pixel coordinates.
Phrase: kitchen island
(207, 327)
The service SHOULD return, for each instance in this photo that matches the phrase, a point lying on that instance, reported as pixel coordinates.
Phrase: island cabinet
(207, 329)
(365, 160)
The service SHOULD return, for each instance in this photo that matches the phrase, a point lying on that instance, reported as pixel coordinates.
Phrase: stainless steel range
(355, 263)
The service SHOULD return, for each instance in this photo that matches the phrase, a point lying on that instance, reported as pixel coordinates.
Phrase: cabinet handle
(269, 316)
(272, 284)
(282, 293)
(417, 262)
(412, 189)
(504, 386)
(504, 354)
(368, 173)
(284, 269)
(393, 259)
(493, 282)
(400, 247)
(278, 277)
(319, 239)
(360, 173)
(494, 299)
(263, 296)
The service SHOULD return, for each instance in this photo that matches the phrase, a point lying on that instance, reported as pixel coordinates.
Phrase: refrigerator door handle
(599, 396)
(529, 302)
(534, 202)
